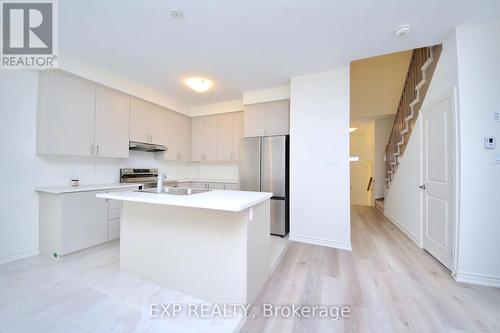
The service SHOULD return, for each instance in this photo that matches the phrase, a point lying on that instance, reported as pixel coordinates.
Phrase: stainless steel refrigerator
(264, 168)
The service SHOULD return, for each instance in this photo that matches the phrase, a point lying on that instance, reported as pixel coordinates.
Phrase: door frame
(455, 197)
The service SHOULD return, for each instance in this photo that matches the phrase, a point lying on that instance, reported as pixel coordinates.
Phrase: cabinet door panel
(216, 186)
(232, 187)
(156, 124)
(85, 221)
(210, 138)
(111, 123)
(139, 120)
(197, 138)
(184, 138)
(172, 132)
(225, 137)
(255, 120)
(70, 116)
(277, 118)
(237, 134)
(199, 185)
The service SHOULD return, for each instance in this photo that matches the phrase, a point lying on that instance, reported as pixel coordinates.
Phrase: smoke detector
(176, 13)
(402, 30)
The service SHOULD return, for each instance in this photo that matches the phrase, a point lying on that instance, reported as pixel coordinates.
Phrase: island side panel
(258, 249)
(199, 252)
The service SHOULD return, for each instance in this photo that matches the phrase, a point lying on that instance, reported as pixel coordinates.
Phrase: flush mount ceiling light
(352, 129)
(199, 84)
(402, 30)
(176, 13)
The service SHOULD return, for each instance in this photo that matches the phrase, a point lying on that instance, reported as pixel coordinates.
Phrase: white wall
(266, 95)
(216, 108)
(383, 129)
(79, 67)
(319, 158)
(478, 54)
(403, 199)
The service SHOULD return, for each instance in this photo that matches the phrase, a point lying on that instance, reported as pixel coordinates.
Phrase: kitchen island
(212, 245)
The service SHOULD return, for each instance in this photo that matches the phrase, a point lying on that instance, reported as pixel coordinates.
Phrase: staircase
(422, 65)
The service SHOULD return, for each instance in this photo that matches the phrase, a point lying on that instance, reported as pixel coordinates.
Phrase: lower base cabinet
(211, 185)
(70, 222)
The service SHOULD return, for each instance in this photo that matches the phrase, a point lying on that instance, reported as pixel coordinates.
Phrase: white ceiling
(246, 45)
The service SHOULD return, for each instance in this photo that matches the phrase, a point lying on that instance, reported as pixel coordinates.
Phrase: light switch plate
(497, 159)
(496, 117)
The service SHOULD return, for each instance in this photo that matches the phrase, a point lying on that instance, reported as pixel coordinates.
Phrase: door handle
(422, 187)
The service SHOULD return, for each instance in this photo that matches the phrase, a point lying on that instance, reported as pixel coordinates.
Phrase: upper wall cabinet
(230, 131)
(79, 118)
(271, 118)
(147, 122)
(204, 141)
(65, 120)
(177, 137)
(111, 123)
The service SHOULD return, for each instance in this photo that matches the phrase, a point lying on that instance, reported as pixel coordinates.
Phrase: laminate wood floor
(390, 284)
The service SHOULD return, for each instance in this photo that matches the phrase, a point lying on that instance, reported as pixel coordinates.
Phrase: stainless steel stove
(148, 177)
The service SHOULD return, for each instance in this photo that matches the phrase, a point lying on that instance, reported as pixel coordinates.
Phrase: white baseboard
(482, 280)
(321, 241)
(403, 229)
(17, 256)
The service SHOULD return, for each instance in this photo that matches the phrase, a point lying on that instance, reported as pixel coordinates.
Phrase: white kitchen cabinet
(255, 120)
(232, 186)
(73, 221)
(237, 134)
(65, 120)
(111, 124)
(76, 117)
(230, 127)
(263, 119)
(147, 122)
(185, 184)
(156, 124)
(177, 137)
(139, 120)
(204, 138)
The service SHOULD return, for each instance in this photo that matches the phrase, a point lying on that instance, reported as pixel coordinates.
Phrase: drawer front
(114, 214)
(113, 229)
(199, 185)
(232, 187)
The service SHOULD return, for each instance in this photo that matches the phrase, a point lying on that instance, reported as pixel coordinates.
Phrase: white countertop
(85, 188)
(233, 201)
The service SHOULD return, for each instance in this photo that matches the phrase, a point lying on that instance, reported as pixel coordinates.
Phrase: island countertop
(233, 201)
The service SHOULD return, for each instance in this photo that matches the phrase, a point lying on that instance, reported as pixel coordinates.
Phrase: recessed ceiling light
(176, 13)
(402, 30)
(352, 129)
(199, 84)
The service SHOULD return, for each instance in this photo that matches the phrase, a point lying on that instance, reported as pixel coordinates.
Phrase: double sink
(175, 191)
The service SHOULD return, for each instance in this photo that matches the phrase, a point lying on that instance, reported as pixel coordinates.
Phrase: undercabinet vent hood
(149, 147)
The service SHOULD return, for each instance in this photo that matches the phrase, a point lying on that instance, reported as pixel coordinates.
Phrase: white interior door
(437, 124)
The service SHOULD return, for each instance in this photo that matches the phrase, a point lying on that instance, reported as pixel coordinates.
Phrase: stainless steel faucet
(159, 186)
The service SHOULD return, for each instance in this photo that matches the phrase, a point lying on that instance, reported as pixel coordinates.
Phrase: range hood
(149, 147)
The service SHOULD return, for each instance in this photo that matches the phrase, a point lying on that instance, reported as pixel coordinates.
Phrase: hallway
(390, 284)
